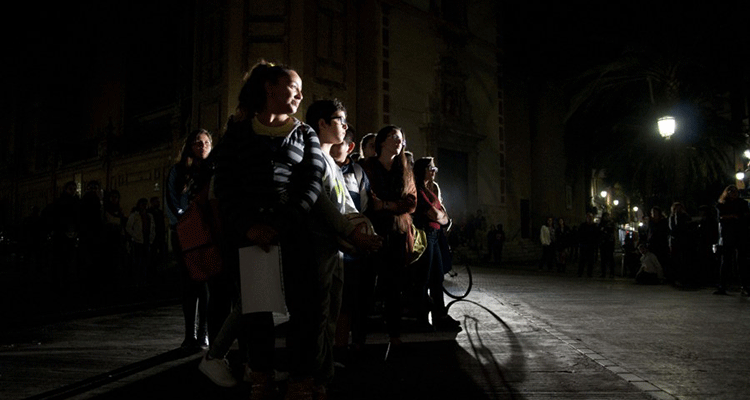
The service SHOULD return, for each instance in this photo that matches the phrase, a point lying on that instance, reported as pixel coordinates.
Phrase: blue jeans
(429, 278)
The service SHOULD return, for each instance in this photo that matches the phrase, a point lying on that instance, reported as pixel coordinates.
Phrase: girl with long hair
(186, 180)
(430, 216)
(393, 199)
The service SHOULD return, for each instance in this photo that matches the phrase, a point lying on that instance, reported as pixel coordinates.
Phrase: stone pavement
(526, 335)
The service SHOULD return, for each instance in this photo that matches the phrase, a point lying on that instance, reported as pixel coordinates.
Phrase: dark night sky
(61, 46)
(557, 39)
(553, 37)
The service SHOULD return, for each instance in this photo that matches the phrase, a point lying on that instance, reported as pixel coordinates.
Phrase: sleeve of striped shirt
(298, 170)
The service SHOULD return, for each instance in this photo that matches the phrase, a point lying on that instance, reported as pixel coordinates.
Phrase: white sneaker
(218, 371)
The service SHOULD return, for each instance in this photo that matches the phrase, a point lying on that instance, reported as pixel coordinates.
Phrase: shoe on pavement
(218, 371)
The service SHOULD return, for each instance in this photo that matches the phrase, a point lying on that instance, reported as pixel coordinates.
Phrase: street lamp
(666, 126)
(740, 175)
(603, 194)
(616, 202)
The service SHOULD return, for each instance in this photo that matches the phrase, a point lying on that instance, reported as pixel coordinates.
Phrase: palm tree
(613, 118)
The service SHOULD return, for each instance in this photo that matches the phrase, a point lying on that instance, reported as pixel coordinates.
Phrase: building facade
(434, 68)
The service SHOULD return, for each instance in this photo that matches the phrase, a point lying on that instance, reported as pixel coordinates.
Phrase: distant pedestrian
(547, 238)
(733, 218)
(650, 272)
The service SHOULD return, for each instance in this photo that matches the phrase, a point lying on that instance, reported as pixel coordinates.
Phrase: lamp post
(666, 126)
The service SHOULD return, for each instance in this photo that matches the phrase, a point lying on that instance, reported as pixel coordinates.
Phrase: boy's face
(339, 151)
(334, 132)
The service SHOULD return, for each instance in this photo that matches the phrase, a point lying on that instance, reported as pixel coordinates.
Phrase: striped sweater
(266, 180)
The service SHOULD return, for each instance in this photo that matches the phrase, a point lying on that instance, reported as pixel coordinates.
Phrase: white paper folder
(261, 280)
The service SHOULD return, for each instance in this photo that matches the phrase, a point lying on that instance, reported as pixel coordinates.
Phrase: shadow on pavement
(435, 370)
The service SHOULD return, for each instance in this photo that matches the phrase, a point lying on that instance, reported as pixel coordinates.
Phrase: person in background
(367, 147)
(187, 179)
(733, 217)
(650, 272)
(359, 275)
(430, 216)
(547, 238)
(409, 159)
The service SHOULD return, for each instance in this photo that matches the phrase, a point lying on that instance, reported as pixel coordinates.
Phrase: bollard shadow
(495, 375)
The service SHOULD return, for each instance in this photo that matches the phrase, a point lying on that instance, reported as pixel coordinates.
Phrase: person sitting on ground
(650, 272)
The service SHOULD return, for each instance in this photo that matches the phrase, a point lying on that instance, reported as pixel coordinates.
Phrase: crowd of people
(91, 242)
(362, 229)
(677, 249)
(346, 224)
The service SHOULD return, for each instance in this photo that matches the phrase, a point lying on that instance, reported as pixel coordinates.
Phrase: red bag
(199, 233)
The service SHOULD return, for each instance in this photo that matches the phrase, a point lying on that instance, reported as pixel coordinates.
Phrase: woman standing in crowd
(261, 141)
(187, 179)
(430, 216)
(393, 200)
(733, 224)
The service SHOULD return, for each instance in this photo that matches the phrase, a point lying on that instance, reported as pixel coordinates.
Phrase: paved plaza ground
(527, 335)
